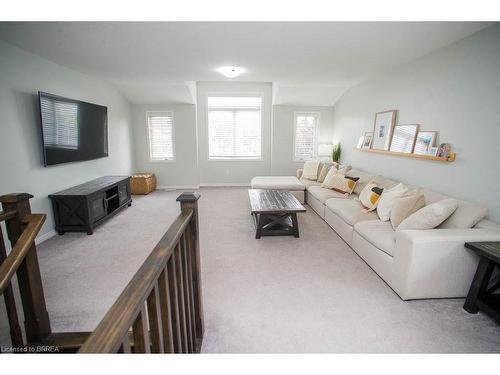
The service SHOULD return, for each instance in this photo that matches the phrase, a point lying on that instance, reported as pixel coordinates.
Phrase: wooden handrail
(23, 245)
(112, 331)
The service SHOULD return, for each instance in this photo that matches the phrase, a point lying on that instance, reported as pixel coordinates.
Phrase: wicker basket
(142, 183)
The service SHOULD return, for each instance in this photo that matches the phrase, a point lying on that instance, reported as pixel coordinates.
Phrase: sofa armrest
(299, 173)
(435, 263)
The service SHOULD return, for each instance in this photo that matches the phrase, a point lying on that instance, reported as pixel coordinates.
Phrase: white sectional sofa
(416, 264)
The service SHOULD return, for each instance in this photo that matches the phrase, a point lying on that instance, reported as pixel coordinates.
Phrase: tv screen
(72, 130)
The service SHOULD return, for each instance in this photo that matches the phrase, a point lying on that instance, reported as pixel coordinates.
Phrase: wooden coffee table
(275, 212)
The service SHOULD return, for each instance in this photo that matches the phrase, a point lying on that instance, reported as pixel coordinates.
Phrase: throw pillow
(430, 216)
(324, 171)
(311, 170)
(338, 182)
(388, 199)
(370, 196)
(405, 206)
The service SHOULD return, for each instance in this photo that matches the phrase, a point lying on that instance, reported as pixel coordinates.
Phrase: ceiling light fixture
(230, 71)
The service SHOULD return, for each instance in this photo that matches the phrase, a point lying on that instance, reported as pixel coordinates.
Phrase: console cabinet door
(97, 206)
(123, 192)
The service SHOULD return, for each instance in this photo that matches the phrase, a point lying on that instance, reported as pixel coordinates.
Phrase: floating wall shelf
(449, 159)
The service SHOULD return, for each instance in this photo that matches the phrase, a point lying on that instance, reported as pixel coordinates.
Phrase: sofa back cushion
(467, 215)
(384, 182)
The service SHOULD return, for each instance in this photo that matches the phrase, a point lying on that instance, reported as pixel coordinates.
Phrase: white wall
(225, 172)
(22, 74)
(283, 128)
(455, 91)
(183, 172)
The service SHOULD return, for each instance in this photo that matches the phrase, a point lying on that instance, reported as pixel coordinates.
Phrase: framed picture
(425, 141)
(444, 150)
(403, 138)
(432, 151)
(367, 140)
(382, 129)
(360, 141)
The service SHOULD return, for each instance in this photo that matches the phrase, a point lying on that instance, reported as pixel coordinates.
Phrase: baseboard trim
(45, 237)
(224, 184)
(177, 187)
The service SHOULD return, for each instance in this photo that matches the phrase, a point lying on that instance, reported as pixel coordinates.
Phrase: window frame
(207, 128)
(148, 115)
(316, 134)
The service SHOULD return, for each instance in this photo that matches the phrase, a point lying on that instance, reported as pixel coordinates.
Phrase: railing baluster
(190, 284)
(180, 294)
(155, 321)
(187, 304)
(172, 284)
(165, 312)
(16, 335)
(140, 332)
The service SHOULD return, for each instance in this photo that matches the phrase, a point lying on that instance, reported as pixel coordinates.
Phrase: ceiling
(309, 63)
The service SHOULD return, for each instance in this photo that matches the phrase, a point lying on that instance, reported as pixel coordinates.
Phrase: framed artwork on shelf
(403, 138)
(382, 129)
(367, 140)
(432, 151)
(425, 141)
(360, 141)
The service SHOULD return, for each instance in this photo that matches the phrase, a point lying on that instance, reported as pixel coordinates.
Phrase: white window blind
(234, 128)
(60, 123)
(161, 139)
(305, 136)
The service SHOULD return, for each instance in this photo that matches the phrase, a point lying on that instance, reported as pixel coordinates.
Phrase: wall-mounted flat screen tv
(72, 130)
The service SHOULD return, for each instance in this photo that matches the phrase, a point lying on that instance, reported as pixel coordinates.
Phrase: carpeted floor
(273, 295)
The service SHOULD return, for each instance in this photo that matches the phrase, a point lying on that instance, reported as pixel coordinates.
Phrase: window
(161, 137)
(234, 128)
(306, 125)
(60, 123)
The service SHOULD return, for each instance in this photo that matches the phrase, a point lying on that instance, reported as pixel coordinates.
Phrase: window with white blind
(161, 135)
(305, 133)
(60, 123)
(234, 128)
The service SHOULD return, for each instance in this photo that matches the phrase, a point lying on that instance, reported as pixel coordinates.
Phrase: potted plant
(336, 151)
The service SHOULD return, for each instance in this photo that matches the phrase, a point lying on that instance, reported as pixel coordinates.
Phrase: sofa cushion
(277, 183)
(364, 178)
(311, 170)
(467, 215)
(325, 168)
(339, 182)
(430, 216)
(379, 233)
(308, 183)
(384, 182)
(370, 196)
(323, 194)
(349, 210)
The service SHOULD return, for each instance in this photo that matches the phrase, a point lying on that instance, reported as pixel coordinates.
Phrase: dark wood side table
(481, 293)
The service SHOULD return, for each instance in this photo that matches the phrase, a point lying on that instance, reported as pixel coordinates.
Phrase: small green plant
(337, 150)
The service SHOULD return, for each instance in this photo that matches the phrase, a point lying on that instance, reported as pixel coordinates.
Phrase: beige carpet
(273, 295)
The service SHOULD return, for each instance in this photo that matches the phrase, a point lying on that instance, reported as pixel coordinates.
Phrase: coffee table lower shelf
(276, 224)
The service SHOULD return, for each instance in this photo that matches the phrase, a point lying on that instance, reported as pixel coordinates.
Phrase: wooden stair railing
(22, 229)
(161, 309)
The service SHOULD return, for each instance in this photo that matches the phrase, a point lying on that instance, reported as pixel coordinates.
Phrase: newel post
(36, 317)
(189, 201)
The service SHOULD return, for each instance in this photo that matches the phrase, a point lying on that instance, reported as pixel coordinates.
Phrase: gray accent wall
(455, 91)
(183, 171)
(22, 75)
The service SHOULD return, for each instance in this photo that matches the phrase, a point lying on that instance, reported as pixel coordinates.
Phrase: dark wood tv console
(83, 207)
